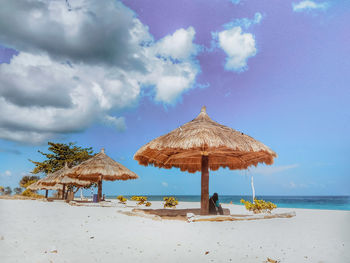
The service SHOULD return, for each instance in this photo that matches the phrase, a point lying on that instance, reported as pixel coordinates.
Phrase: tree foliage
(170, 202)
(8, 190)
(2, 189)
(27, 180)
(259, 206)
(30, 193)
(60, 153)
(17, 190)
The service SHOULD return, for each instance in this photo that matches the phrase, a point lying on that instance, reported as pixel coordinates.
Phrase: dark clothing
(220, 210)
(212, 207)
(215, 207)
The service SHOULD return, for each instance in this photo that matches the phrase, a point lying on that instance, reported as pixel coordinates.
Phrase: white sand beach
(38, 231)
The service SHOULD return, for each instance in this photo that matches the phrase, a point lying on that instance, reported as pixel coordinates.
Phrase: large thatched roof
(184, 147)
(59, 177)
(101, 167)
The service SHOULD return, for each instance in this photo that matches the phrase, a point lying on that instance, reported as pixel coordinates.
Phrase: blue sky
(118, 74)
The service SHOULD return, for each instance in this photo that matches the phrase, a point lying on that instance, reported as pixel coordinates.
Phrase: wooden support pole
(205, 186)
(99, 192)
(63, 191)
(46, 193)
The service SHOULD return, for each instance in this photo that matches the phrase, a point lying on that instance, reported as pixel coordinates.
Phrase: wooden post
(205, 185)
(99, 191)
(63, 191)
(46, 193)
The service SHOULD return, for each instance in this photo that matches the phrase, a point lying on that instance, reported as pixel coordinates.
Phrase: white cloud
(118, 123)
(268, 170)
(178, 45)
(165, 184)
(78, 63)
(245, 22)
(308, 5)
(7, 173)
(238, 47)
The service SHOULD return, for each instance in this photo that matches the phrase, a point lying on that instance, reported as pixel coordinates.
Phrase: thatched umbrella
(203, 144)
(39, 186)
(101, 167)
(59, 177)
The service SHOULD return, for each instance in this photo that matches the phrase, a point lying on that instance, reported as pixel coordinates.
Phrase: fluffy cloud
(308, 5)
(238, 45)
(178, 45)
(76, 63)
(165, 184)
(245, 22)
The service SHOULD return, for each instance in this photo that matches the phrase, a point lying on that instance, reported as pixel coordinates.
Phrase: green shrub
(28, 180)
(140, 199)
(18, 190)
(259, 206)
(170, 202)
(30, 193)
(121, 199)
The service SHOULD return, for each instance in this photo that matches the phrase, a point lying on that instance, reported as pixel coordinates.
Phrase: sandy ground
(37, 231)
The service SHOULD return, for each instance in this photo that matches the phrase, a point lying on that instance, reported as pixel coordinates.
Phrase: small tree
(17, 190)
(2, 189)
(27, 180)
(61, 153)
(8, 190)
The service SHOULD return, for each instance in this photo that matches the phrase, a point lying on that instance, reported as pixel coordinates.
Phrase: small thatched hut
(204, 144)
(39, 186)
(59, 177)
(101, 167)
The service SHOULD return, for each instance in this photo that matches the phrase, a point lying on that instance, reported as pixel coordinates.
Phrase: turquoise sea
(309, 202)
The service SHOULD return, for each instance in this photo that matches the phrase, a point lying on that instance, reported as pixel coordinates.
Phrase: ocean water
(309, 202)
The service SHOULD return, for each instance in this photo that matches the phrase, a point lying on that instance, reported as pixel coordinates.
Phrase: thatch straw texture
(38, 186)
(59, 177)
(101, 167)
(183, 147)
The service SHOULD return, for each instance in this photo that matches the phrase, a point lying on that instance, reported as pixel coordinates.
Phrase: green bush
(121, 199)
(259, 206)
(30, 193)
(140, 199)
(18, 190)
(170, 202)
(28, 180)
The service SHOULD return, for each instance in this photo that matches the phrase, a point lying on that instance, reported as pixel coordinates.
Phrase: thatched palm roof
(59, 177)
(101, 167)
(184, 147)
(38, 186)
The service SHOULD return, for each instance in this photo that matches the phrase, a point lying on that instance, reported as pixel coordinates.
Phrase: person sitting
(214, 205)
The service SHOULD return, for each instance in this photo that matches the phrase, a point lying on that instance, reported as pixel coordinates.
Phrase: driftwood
(174, 212)
(240, 217)
(193, 215)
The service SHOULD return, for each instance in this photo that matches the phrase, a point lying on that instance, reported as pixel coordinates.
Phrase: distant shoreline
(303, 202)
